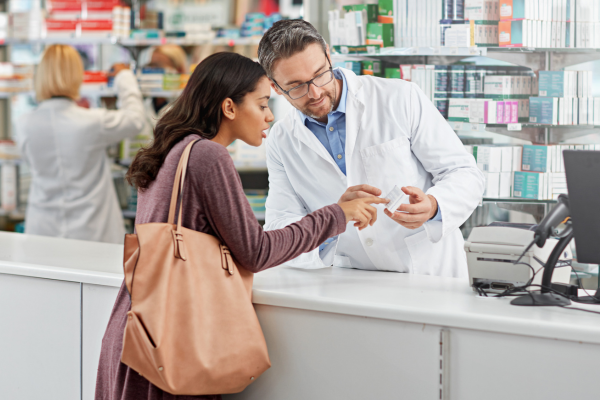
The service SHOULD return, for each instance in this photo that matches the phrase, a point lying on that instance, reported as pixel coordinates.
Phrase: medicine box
(492, 184)
(489, 158)
(528, 185)
(506, 182)
(354, 66)
(536, 158)
(380, 34)
(543, 110)
(386, 11)
(458, 110)
(557, 84)
(372, 67)
(512, 9)
(392, 73)
(497, 86)
(371, 10)
(510, 33)
(482, 10)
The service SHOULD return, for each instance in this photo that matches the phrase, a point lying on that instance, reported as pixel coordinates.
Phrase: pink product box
(500, 112)
(514, 112)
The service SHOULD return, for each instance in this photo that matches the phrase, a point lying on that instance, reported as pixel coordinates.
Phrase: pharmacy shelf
(544, 49)
(8, 95)
(419, 51)
(535, 133)
(101, 92)
(126, 42)
(516, 200)
(250, 167)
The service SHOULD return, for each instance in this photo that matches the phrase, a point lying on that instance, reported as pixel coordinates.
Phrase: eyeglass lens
(319, 81)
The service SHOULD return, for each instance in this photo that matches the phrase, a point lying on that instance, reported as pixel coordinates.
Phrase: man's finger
(365, 188)
(416, 208)
(404, 217)
(375, 200)
(413, 191)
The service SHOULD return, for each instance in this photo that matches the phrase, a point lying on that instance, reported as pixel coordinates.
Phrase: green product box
(386, 11)
(372, 67)
(367, 49)
(381, 34)
(392, 73)
(371, 9)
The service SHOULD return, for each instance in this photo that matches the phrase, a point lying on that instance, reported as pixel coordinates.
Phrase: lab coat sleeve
(284, 207)
(458, 184)
(129, 119)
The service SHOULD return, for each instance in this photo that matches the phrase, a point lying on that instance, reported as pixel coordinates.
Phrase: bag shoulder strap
(178, 183)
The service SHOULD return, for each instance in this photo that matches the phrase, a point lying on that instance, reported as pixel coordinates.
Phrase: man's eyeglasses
(302, 90)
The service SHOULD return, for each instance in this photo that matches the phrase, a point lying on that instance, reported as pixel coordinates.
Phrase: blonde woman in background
(72, 194)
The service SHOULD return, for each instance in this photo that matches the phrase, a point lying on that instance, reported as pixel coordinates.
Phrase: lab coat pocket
(388, 164)
(427, 258)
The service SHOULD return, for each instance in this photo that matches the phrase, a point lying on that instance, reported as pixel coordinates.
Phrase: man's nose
(314, 92)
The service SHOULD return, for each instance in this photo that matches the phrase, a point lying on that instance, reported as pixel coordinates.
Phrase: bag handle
(178, 193)
(178, 183)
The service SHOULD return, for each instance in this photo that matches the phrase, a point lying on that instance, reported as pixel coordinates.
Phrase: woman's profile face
(254, 114)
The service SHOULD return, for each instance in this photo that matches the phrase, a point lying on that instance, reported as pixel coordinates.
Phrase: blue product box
(552, 84)
(528, 185)
(543, 110)
(535, 158)
(354, 66)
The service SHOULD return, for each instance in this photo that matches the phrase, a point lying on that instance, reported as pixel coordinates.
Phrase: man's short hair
(284, 39)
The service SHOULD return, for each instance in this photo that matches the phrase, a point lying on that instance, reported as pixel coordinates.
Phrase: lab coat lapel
(308, 138)
(355, 109)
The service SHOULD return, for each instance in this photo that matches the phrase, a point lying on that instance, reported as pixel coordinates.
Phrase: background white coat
(394, 136)
(72, 194)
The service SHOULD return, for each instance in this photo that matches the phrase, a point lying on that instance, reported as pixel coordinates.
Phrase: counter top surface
(419, 299)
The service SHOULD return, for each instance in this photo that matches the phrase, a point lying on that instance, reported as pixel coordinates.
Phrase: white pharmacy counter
(332, 333)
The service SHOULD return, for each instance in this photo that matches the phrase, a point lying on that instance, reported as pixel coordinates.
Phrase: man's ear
(228, 108)
(275, 87)
(328, 53)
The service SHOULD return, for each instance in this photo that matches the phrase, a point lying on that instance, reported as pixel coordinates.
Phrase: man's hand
(421, 209)
(359, 192)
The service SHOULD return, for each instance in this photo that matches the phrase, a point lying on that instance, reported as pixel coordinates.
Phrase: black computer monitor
(583, 182)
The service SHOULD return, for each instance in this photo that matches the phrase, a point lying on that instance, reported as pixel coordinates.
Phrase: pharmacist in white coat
(72, 193)
(352, 136)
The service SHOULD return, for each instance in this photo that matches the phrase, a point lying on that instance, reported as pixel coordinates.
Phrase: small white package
(395, 196)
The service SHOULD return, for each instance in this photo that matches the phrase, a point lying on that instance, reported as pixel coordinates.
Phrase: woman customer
(225, 99)
(72, 193)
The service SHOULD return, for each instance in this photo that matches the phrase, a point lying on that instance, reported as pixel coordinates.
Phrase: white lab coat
(72, 193)
(394, 136)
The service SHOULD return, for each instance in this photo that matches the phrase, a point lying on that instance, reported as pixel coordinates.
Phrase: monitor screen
(583, 182)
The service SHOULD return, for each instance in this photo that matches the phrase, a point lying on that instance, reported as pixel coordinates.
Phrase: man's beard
(306, 111)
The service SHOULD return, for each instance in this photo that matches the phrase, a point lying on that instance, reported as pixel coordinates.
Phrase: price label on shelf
(473, 50)
(514, 127)
(454, 50)
(436, 50)
(478, 127)
(414, 50)
(457, 126)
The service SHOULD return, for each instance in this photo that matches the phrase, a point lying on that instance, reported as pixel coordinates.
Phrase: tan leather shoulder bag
(192, 328)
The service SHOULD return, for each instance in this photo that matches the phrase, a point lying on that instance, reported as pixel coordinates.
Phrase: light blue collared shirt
(333, 137)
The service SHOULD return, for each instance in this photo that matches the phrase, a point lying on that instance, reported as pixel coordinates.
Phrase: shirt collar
(338, 74)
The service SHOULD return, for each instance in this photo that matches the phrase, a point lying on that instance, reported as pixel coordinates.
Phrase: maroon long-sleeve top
(213, 203)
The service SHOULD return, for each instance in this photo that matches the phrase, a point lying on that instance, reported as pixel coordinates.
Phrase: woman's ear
(229, 109)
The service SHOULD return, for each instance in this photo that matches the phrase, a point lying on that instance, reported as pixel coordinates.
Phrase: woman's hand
(361, 211)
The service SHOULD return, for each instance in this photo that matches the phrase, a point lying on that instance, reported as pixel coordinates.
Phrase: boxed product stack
(198, 32)
(354, 66)
(542, 176)
(97, 18)
(63, 18)
(417, 21)
(151, 79)
(3, 26)
(244, 155)
(550, 24)
(257, 200)
(420, 74)
(363, 24)
(121, 21)
(27, 25)
(371, 67)
(565, 99)
(254, 25)
(16, 78)
(498, 164)
(94, 80)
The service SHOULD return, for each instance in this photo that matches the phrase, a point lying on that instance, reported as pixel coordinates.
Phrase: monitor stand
(540, 299)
